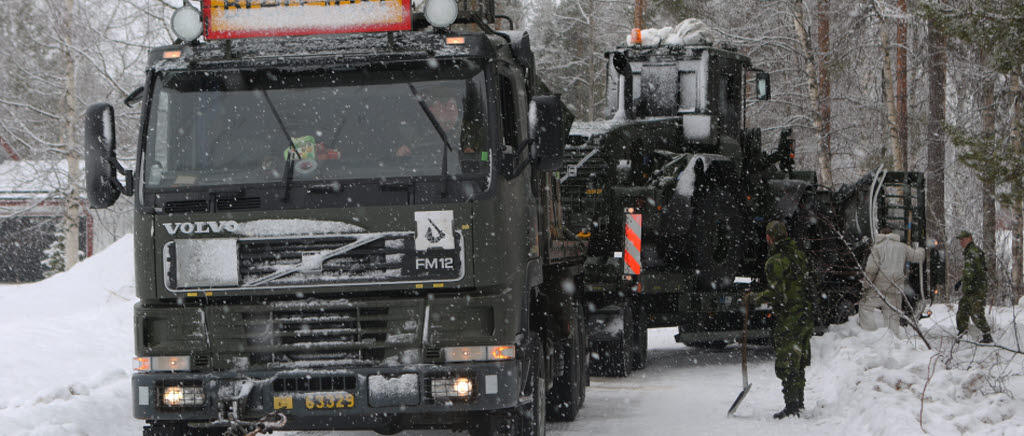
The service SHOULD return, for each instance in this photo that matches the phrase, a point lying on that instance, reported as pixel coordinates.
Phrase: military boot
(790, 410)
(987, 339)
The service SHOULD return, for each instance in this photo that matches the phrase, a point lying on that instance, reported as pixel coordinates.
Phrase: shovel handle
(743, 345)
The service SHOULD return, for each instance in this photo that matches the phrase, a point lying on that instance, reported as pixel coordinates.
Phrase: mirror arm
(522, 164)
(128, 187)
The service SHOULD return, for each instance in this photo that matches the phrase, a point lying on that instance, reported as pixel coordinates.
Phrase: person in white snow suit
(886, 270)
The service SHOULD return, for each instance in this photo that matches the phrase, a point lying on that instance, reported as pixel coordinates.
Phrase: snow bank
(690, 31)
(870, 382)
(67, 349)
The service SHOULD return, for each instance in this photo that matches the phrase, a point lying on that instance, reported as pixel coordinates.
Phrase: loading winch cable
(272, 421)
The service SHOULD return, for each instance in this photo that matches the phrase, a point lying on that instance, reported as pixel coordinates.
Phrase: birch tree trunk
(887, 93)
(901, 87)
(824, 79)
(72, 207)
(1018, 205)
(810, 70)
(589, 45)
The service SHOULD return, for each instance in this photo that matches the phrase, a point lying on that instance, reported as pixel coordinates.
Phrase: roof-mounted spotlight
(441, 13)
(187, 23)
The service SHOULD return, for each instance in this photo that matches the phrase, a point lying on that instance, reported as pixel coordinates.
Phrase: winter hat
(776, 230)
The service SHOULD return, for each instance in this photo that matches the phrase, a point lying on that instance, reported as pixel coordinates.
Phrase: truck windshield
(219, 128)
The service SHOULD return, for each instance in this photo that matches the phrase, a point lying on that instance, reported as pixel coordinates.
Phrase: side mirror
(135, 96)
(101, 166)
(549, 132)
(764, 86)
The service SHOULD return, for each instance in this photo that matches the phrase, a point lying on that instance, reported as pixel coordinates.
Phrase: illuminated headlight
(183, 396)
(441, 13)
(163, 363)
(187, 23)
(448, 388)
(479, 353)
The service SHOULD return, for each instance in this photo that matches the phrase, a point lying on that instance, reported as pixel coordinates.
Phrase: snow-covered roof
(689, 32)
(8, 150)
(30, 179)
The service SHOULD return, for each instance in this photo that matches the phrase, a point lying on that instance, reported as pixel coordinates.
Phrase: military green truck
(339, 230)
(673, 192)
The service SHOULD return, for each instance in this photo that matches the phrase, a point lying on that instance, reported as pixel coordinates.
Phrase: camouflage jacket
(788, 274)
(975, 272)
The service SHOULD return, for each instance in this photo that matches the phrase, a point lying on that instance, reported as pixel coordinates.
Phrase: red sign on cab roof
(230, 19)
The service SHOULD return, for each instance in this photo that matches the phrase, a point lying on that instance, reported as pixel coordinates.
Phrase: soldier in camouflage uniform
(975, 289)
(787, 276)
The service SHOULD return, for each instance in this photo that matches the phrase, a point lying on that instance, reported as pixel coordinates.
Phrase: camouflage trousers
(792, 355)
(972, 308)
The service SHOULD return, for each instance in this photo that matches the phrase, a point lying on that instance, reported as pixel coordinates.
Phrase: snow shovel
(743, 352)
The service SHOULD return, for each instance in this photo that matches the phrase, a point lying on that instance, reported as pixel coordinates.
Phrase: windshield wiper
(317, 260)
(290, 158)
(444, 138)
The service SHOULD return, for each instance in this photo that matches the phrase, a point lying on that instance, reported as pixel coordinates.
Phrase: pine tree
(994, 29)
(53, 262)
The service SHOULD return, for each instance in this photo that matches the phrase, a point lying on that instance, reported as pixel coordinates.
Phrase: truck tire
(615, 358)
(526, 420)
(585, 353)
(566, 395)
(640, 344)
(533, 417)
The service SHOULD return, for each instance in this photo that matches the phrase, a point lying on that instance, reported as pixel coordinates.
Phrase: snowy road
(682, 391)
(67, 346)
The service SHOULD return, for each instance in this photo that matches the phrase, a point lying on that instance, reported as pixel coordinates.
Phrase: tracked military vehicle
(673, 191)
(345, 219)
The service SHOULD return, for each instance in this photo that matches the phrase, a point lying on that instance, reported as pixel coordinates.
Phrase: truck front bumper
(375, 398)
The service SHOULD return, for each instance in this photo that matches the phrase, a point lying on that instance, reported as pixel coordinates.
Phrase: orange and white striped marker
(631, 251)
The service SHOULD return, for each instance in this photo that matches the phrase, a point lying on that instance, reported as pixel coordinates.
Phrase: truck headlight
(479, 353)
(183, 396)
(163, 363)
(451, 388)
(187, 23)
(441, 13)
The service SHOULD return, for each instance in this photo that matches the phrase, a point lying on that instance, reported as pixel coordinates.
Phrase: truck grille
(380, 259)
(321, 333)
(185, 206)
(315, 384)
(329, 260)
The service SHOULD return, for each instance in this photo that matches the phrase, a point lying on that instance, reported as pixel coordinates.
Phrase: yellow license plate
(334, 400)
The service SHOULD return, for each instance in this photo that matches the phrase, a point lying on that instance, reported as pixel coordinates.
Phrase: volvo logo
(201, 227)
